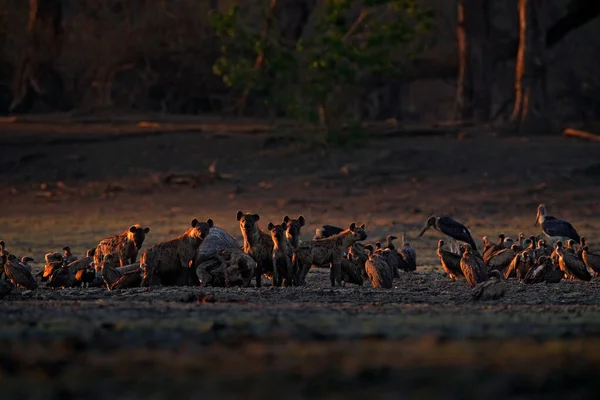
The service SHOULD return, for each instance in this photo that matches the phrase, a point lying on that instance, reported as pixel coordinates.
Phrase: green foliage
(319, 78)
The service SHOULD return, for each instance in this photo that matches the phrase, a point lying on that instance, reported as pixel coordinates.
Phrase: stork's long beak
(423, 231)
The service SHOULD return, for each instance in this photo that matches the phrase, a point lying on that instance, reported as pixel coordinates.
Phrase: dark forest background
(480, 63)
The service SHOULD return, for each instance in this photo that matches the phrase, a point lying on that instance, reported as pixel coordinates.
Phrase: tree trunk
(473, 95)
(36, 76)
(530, 74)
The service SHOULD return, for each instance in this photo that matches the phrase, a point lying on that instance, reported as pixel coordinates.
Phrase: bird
(390, 242)
(358, 255)
(393, 259)
(520, 265)
(501, 260)
(25, 260)
(571, 246)
(592, 260)
(572, 266)
(554, 228)
(473, 267)
(580, 248)
(540, 272)
(84, 277)
(61, 277)
(490, 250)
(18, 273)
(492, 289)
(450, 261)
(520, 239)
(53, 262)
(351, 272)
(508, 242)
(454, 231)
(67, 255)
(409, 254)
(82, 263)
(378, 271)
(543, 249)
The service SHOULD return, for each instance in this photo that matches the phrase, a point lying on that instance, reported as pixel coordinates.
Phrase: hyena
(292, 231)
(126, 245)
(169, 263)
(282, 255)
(257, 244)
(327, 251)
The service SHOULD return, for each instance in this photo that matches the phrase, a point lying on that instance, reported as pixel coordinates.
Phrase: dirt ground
(425, 338)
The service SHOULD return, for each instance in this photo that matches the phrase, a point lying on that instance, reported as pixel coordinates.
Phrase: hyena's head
(277, 232)
(293, 228)
(248, 222)
(244, 267)
(137, 234)
(199, 229)
(358, 232)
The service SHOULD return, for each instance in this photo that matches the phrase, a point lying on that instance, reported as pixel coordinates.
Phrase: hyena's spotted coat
(327, 251)
(257, 244)
(125, 246)
(282, 255)
(170, 262)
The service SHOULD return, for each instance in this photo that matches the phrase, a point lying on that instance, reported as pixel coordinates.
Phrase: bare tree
(473, 96)
(36, 75)
(530, 74)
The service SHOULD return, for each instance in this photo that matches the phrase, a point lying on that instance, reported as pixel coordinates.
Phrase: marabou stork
(556, 229)
(454, 231)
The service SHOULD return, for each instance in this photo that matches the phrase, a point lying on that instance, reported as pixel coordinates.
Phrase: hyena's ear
(270, 226)
(133, 228)
(240, 215)
(210, 223)
(301, 220)
(352, 227)
(362, 227)
(194, 222)
(286, 219)
(146, 230)
(257, 217)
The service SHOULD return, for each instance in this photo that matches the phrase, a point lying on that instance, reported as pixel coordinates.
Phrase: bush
(319, 77)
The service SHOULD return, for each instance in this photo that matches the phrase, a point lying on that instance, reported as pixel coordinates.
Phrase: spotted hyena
(257, 244)
(168, 263)
(327, 251)
(125, 246)
(282, 255)
(293, 229)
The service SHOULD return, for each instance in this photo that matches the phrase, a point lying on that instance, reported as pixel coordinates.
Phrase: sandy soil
(425, 338)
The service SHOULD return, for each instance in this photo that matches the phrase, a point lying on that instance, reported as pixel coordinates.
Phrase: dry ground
(425, 338)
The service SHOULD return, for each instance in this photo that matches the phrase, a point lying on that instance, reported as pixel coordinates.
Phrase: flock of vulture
(280, 255)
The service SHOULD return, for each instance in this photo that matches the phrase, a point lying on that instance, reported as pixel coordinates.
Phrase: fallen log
(581, 134)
